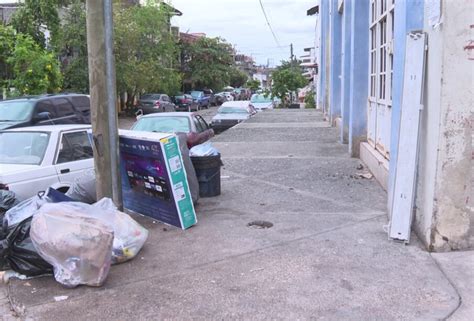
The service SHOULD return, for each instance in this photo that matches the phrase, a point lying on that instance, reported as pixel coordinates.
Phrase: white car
(262, 102)
(35, 158)
(231, 113)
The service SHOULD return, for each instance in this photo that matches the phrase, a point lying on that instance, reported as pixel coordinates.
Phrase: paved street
(325, 257)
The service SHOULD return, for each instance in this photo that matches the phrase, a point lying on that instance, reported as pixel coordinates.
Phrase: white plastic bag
(205, 149)
(23, 210)
(129, 236)
(83, 189)
(76, 244)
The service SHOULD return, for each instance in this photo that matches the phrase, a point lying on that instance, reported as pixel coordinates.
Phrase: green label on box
(179, 182)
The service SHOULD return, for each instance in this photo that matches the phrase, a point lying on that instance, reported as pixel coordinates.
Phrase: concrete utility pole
(103, 99)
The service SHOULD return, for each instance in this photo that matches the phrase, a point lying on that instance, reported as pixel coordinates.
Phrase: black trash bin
(208, 172)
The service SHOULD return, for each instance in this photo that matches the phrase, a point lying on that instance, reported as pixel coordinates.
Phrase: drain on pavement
(260, 224)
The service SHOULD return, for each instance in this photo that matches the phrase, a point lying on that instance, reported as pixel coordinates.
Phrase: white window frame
(381, 51)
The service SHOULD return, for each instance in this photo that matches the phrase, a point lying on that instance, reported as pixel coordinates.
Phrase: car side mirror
(45, 115)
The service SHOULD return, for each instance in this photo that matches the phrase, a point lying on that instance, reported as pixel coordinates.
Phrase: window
(74, 146)
(381, 57)
(46, 106)
(165, 98)
(198, 125)
(168, 124)
(82, 103)
(202, 122)
(23, 147)
(63, 107)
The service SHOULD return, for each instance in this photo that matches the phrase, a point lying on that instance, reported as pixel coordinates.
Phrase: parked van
(45, 110)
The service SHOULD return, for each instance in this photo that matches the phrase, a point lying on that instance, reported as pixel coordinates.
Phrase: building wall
(444, 199)
(444, 220)
(408, 17)
(346, 68)
(359, 75)
(335, 65)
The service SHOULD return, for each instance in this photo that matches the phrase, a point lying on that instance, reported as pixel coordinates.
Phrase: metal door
(380, 75)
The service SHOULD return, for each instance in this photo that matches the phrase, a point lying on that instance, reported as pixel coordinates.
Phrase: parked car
(201, 98)
(226, 95)
(242, 94)
(185, 102)
(230, 114)
(45, 110)
(262, 102)
(155, 103)
(35, 158)
(195, 127)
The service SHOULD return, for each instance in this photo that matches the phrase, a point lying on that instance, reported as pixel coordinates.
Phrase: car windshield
(163, 124)
(150, 97)
(232, 110)
(196, 94)
(261, 99)
(15, 110)
(23, 147)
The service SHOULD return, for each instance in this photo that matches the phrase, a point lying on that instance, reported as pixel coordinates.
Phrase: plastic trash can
(208, 172)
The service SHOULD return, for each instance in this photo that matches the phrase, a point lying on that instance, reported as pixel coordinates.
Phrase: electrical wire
(269, 25)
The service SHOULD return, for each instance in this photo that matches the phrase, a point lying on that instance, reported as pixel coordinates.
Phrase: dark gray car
(155, 103)
(45, 110)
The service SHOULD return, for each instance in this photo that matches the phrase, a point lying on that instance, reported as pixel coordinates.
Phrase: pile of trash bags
(75, 241)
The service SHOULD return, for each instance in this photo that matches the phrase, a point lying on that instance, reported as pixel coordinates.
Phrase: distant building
(7, 9)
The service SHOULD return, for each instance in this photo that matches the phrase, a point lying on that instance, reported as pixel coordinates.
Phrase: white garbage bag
(76, 244)
(129, 236)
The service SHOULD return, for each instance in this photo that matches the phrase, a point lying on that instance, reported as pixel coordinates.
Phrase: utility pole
(103, 99)
(291, 50)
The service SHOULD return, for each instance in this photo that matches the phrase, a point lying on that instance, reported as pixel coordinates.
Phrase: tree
(73, 50)
(237, 77)
(35, 70)
(210, 64)
(287, 79)
(7, 45)
(37, 18)
(253, 84)
(309, 100)
(145, 51)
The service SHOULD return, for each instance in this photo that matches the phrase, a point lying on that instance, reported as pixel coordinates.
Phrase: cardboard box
(154, 181)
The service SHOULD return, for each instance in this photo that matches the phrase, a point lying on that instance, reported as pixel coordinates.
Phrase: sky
(242, 23)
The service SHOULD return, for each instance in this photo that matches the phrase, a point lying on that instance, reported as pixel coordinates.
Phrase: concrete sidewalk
(325, 257)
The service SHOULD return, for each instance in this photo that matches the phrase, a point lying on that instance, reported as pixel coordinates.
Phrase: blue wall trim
(408, 17)
(346, 66)
(335, 63)
(359, 73)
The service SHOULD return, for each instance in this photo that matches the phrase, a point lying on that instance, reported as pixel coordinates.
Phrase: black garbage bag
(18, 253)
(7, 200)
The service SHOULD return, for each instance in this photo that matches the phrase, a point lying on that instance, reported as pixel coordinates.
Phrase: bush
(309, 100)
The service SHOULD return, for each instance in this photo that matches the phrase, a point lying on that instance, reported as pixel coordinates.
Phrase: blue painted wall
(324, 25)
(335, 62)
(408, 17)
(346, 65)
(358, 74)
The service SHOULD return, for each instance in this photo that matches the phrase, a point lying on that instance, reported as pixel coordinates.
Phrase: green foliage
(7, 45)
(74, 49)
(237, 77)
(253, 84)
(34, 17)
(309, 100)
(287, 79)
(145, 50)
(210, 63)
(35, 70)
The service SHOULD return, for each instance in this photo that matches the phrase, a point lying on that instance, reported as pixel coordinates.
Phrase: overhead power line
(269, 25)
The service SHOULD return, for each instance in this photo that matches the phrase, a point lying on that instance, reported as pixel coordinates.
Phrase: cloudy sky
(241, 23)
